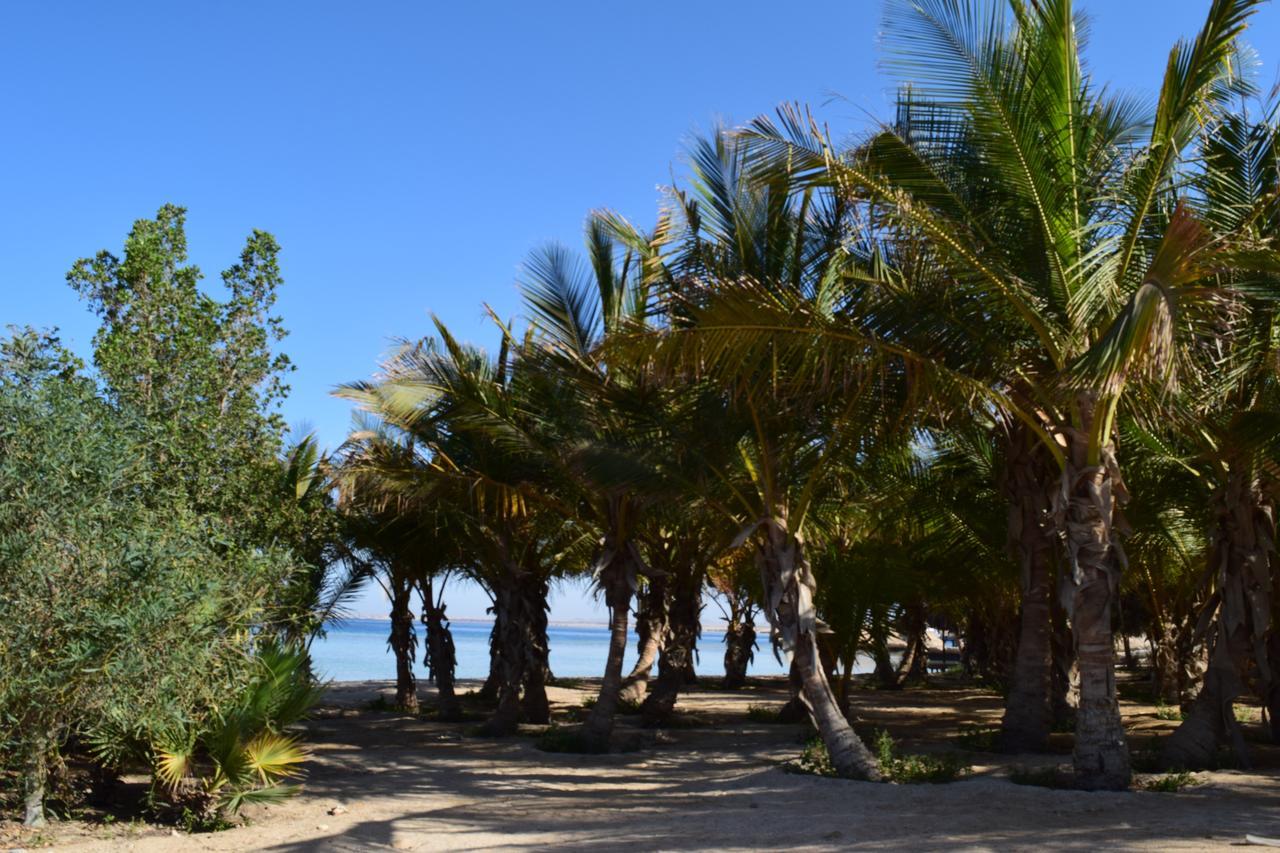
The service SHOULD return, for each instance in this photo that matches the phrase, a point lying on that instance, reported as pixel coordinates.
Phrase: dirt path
(385, 781)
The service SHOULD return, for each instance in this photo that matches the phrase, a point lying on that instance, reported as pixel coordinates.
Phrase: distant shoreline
(717, 627)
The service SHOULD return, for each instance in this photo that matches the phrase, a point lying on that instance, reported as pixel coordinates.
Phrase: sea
(356, 650)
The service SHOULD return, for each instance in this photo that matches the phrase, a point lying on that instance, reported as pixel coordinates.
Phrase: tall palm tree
(1230, 421)
(1056, 273)
(603, 418)
(768, 239)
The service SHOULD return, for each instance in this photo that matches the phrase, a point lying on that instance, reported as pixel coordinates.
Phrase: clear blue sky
(408, 155)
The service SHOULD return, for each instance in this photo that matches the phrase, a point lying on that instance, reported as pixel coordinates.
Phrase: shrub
(813, 760)
(918, 768)
(903, 769)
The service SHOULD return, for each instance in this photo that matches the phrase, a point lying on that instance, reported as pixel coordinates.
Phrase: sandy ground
(383, 780)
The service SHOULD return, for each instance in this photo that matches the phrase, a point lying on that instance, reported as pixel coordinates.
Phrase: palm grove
(1004, 366)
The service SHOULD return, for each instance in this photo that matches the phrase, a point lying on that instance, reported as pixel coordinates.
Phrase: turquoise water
(356, 650)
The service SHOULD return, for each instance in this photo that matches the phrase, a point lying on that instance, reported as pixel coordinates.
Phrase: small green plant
(589, 702)
(1170, 783)
(979, 738)
(814, 760)
(763, 714)
(1169, 712)
(1041, 777)
(203, 774)
(916, 769)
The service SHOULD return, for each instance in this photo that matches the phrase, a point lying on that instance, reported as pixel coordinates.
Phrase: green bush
(919, 768)
(813, 760)
(903, 769)
(156, 539)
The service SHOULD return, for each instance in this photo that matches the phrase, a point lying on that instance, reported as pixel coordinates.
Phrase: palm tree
(767, 239)
(606, 416)
(1231, 418)
(1047, 258)
(399, 539)
(479, 458)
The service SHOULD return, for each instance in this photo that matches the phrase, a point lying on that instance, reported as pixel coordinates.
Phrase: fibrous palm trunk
(441, 654)
(489, 690)
(739, 643)
(1086, 515)
(618, 579)
(533, 704)
(1241, 556)
(520, 639)
(1028, 715)
(789, 591)
(912, 669)
(885, 674)
(650, 627)
(678, 646)
(403, 643)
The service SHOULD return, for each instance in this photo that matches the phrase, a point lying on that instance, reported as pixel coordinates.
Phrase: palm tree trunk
(1087, 515)
(441, 655)
(912, 668)
(885, 674)
(1241, 554)
(650, 627)
(533, 704)
(509, 652)
(403, 643)
(616, 578)
(739, 643)
(1271, 696)
(1028, 715)
(789, 588)
(677, 648)
(489, 690)
(1064, 678)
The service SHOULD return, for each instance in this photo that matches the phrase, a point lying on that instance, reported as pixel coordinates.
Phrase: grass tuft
(1170, 783)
